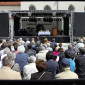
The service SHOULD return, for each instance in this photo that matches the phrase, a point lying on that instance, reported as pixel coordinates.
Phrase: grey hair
(6, 61)
(21, 48)
(42, 48)
(12, 55)
(6, 50)
(32, 59)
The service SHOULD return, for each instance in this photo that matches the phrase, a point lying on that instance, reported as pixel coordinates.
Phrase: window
(47, 7)
(71, 8)
(32, 7)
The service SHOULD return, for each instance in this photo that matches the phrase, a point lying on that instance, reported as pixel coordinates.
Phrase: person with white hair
(30, 68)
(42, 53)
(5, 51)
(48, 47)
(21, 58)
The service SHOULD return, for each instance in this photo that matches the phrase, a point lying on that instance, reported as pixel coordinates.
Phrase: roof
(9, 3)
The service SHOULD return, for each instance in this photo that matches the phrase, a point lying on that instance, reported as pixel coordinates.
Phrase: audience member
(38, 41)
(80, 63)
(51, 65)
(6, 73)
(37, 47)
(2, 41)
(30, 50)
(30, 68)
(53, 46)
(68, 55)
(21, 58)
(10, 45)
(21, 41)
(15, 47)
(33, 43)
(56, 53)
(5, 51)
(60, 45)
(3, 46)
(15, 66)
(71, 50)
(67, 73)
(42, 54)
(61, 56)
(54, 42)
(41, 74)
(79, 45)
(48, 47)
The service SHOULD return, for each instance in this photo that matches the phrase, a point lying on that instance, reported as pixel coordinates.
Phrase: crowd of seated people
(36, 60)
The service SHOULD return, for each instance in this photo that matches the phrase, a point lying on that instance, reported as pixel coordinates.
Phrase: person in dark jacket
(41, 74)
(71, 50)
(30, 50)
(51, 65)
(72, 63)
(61, 56)
(80, 63)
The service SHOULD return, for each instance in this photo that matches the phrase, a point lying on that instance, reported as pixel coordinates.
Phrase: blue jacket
(52, 66)
(21, 59)
(72, 66)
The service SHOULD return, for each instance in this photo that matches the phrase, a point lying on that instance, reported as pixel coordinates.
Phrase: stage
(58, 38)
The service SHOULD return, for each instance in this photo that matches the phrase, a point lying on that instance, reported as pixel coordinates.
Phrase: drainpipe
(57, 17)
(57, 5)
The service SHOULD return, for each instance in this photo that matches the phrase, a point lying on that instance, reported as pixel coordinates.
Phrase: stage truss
(41, 13)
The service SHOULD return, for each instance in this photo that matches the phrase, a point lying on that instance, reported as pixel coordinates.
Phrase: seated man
(6, 72)
(71, 50)
(80, 63)
(67, 73)
(30, 68)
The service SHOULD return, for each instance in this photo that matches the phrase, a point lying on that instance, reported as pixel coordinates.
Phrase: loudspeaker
(79, 24)
(4, 25)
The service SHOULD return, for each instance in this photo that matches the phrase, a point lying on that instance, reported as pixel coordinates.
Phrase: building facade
(6, 6)
(53, 5)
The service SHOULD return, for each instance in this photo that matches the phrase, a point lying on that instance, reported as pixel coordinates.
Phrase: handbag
(41, 76)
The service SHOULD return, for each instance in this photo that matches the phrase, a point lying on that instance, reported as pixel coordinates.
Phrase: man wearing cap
(67, 73)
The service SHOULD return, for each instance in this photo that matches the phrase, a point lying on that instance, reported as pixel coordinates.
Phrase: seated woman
(41, 74)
